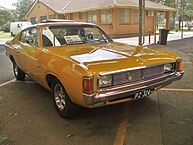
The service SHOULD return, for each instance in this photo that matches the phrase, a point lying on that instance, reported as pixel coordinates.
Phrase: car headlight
(105, 81)
(168, 67)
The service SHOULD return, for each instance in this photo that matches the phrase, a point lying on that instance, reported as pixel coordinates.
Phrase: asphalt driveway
(28, 116)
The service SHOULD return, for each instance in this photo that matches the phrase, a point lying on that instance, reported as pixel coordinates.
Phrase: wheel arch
(12, 58)
(49, 78)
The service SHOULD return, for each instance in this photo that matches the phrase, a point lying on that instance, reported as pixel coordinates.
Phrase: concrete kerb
(2, 41)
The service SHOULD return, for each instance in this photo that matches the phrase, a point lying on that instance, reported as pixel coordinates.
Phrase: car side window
(30, 37)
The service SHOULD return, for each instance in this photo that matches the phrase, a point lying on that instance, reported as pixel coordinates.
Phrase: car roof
(56, 20)
(63, 23)
(46, 24)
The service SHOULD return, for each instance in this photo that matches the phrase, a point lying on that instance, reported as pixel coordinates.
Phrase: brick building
(118, 18)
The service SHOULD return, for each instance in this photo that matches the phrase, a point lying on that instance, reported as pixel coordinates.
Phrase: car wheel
(19, 74)
(63, 104)
(12, 34)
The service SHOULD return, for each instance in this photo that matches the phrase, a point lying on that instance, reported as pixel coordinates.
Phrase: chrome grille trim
(139, 75)
(133, 68)
(122, 78)
(104, 96)
(135, 83)
(153, 71)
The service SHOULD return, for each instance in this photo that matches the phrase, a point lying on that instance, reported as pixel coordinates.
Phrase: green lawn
(5, 35)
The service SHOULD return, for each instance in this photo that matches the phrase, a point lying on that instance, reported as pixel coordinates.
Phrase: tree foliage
(7, 16)
(188, 10)
(188, 7)
(22, 6)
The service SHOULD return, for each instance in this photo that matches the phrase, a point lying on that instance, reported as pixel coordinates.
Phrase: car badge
(129, 76)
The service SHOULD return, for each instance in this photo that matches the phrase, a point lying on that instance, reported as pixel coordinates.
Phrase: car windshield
(73, 35)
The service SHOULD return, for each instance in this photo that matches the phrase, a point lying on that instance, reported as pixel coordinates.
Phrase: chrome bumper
(128, 91)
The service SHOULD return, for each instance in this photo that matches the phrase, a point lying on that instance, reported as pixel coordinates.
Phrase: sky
(7, 3)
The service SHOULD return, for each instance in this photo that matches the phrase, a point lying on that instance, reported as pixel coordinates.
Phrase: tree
(170, 3)
(188, 10)
(22, 6)
(7, 16)
(188, 7)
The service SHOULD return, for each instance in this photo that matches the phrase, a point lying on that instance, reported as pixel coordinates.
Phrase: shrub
(6, 27)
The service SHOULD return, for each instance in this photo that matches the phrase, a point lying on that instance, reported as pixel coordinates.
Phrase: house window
(34, 20)
(92, 16)
(125, 16)
(67, 16)
(71, 16)
(50, 16)
(80, 16)
(106, 16)
(43, 18)
(54, 16)
(136, 16)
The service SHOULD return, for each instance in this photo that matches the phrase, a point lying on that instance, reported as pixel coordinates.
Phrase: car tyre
(64, 106)
(12, 34)
(19, 74)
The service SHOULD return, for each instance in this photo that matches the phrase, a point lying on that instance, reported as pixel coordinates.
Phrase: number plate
(142, 94)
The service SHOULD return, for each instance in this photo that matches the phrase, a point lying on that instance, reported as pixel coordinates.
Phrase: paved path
(171, 36)
(27, 114)
(2, 41)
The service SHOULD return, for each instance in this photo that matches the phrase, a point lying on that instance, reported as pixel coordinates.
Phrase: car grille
(153, 71)
(137, 75)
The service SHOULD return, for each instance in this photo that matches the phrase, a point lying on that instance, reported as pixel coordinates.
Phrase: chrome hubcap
(59, 96)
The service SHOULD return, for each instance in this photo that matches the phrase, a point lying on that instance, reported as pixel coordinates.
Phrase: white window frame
(136, 16)
(125, 16)
(92, 17)
(106, 16)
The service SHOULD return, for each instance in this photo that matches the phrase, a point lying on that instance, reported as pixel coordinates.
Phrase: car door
(29, 49)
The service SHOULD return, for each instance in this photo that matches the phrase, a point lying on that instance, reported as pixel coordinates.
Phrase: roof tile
(69, 6)
(56, 5)
(77, 5)
(83, 5)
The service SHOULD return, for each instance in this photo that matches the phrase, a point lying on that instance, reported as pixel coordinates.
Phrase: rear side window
(29, 36)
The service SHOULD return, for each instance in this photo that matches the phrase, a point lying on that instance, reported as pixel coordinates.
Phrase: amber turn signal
(88, 85)
(179, 65)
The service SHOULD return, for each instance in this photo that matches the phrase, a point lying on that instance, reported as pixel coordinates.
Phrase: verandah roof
(86, 5)
(71, 6)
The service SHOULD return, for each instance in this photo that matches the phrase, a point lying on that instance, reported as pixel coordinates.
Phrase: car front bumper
(128, 91)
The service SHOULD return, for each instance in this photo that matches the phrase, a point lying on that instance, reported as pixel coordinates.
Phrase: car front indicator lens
(179, 66)
(88, 85)
(105, 81)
